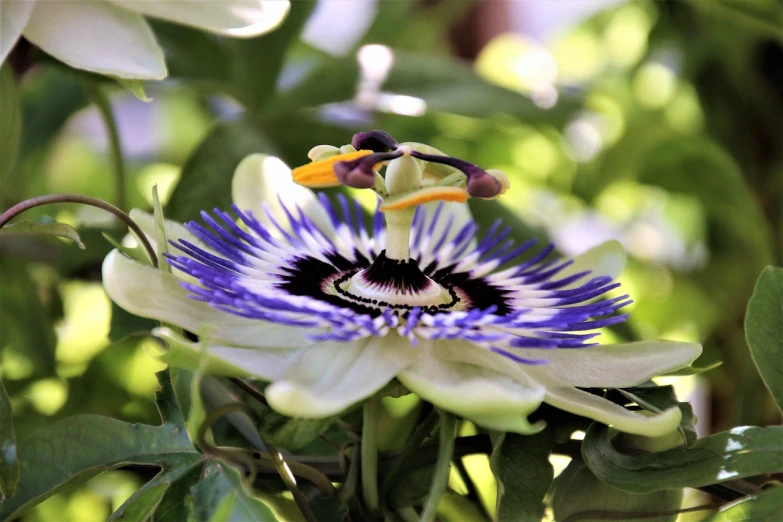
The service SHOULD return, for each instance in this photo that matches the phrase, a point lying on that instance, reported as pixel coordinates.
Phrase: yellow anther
(424, 195)
(320, 174)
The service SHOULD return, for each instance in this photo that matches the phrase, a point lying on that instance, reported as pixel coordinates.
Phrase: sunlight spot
(164, 175)
(583, 141)
(626, 35)
(654, 85)
(559, 463)
(375, 61)
(402, 104)
(48, 395)
(87, 506)
(725, 474)
(734, 445)
(84, 330)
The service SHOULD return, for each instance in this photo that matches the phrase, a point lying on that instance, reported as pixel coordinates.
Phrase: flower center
(393, 283)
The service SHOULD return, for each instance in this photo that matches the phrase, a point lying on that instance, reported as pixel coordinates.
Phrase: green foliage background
(689, 171)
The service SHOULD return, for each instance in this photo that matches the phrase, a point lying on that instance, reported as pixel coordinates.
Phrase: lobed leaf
(72, 451)
(146, 501)
(222, 496)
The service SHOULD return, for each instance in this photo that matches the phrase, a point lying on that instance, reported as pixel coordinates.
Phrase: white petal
(597, 408)
(329, 377)
(265, 363)
(606, 259)
(148, 292)
(97, 36)
(14, 15)
(239, 18)
(614, 365)
(260, 179)
(485, 397)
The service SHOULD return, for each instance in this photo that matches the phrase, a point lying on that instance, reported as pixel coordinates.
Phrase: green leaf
(765, 507)
(764, 18)
(166, 401)
(656, 399)
(764, 330)
(27, 329)
(136, 87)
(44, 227)
(174, 506)
(579, 495)
(413, 488)
(256, 62)
(698, 168)
(160, 231)
(139, 253)
(451, 86)
(292, 434)
(206, 177)
(10, 123)
(71, 451)
(43, 114)
(740, 452)
(193, 55)
(333, 80)
(693, 370)
(125, 324)
(521, 488)
(146, 501)
(222, 496)
(9, 463)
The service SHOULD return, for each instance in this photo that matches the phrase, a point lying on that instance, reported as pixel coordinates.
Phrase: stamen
(375, 140)
(321, 174)
(480, 183)
(424, 195)
(360, 173)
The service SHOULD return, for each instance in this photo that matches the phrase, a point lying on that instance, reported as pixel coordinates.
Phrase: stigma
(414, 174)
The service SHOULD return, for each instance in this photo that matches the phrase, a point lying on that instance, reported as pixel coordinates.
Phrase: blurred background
(656, 124)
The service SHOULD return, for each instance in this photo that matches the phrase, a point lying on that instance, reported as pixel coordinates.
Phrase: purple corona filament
(299, 272)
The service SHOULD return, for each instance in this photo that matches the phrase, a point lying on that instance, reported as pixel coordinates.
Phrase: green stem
(290, 482)
(448, 432)
(103, 105)
(369, 451)
(27, 204)
(421, 432)
(408, 514)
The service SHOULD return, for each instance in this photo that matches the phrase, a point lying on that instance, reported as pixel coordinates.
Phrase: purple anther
(484, 186)
(374, 140)
(359, 173)
(480, 184)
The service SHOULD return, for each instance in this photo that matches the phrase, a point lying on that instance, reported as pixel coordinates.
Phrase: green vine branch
(49, 199)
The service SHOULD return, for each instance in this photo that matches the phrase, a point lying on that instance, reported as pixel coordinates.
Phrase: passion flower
(294, 288)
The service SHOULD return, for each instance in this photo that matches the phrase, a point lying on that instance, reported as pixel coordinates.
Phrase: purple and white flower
(297, 289)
